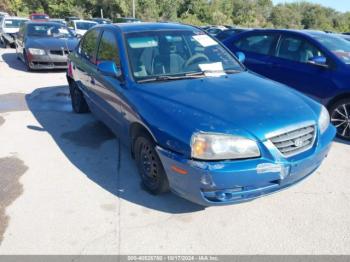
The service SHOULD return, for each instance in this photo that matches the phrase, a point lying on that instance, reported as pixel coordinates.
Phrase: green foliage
(247, 13)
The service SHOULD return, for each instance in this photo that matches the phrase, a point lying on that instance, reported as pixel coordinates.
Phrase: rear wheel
(150, 167)
(340, 118)
(78, 100)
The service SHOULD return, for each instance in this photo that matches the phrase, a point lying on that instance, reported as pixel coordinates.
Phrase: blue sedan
(313, 62)
(196, 121)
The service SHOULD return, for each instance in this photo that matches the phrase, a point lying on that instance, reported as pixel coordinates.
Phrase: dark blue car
(196, 121)
(313, 62)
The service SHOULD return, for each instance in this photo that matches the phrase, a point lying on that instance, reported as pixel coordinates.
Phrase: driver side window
(108, 49)
(88, 45)
(297, 50)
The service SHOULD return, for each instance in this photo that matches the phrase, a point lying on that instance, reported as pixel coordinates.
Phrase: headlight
(324, 120)
(35, 51)
(210, 146)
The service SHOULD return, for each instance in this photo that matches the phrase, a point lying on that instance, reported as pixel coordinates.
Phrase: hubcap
(149, 166)
(341, 120)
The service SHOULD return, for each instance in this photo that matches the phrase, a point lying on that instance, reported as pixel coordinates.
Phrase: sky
(340, 5)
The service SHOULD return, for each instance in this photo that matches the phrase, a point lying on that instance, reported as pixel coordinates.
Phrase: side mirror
(109, 68)
(318, 60)
(241, 57)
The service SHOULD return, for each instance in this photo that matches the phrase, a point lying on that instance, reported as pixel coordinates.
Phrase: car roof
(308, 32)
(145, 26)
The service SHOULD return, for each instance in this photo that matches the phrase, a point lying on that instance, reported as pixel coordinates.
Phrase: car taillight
(70, 69)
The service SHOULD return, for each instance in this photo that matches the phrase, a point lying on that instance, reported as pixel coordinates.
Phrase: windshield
(14, 23)
(177, 53)
(49, 30)
(340, 47)
(84, 25)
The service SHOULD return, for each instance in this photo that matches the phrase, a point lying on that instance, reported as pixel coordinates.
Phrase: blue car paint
(326, 85)
(242, 104)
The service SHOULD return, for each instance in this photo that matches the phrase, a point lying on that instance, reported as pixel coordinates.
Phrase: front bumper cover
(48, 61)
(230, 182)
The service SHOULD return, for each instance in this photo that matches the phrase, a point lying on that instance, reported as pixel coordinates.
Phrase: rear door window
(88, 45)
(259, 44)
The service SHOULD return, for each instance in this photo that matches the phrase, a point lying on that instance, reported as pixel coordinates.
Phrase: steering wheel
(197, 57)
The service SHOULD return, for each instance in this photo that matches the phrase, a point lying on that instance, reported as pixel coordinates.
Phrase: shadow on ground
(15, 63)
(93, 149)
(342, 141)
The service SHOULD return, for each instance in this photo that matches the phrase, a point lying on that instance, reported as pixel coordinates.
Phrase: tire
(6, 44)
(150, 167)
(340, 118)
(26, 62)
(79, 104)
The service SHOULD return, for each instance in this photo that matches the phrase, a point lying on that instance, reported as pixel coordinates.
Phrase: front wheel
(340, 118)
(26, 62)
(150, 167)
(78, 100)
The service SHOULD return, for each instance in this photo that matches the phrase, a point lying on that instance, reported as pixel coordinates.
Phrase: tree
(286, 16)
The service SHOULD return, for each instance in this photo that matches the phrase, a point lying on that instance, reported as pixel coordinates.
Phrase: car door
(290, 64)
(86, 65)
(107, 89)
(258, 48)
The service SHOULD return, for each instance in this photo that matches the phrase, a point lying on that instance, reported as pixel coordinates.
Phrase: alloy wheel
(341, 120)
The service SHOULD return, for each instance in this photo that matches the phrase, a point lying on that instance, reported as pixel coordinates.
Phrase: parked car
(101, 20)
(196, 121)
(127, 20)
(45, 45)
(58, 20)
(215, 30)
(39, 17)
(80, 27)
(313, 62)
(4, 14)
(9, 27)
(223, 35)
(71, 18)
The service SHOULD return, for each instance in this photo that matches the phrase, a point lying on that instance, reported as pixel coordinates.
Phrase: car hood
(242, 104)
(51, 43)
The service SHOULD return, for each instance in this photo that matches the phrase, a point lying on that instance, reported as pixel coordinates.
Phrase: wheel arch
(136, 129)
(337, 98)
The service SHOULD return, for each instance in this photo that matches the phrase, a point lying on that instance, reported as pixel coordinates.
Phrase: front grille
(59, 52)
(296, 141)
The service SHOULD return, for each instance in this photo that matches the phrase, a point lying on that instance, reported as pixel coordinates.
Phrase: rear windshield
(14, 23)
(338, 46)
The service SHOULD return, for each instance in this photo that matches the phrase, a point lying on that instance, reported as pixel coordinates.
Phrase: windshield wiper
(168, 78)
(205, 72)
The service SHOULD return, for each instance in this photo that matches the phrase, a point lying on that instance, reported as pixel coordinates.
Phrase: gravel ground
(68, 187)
